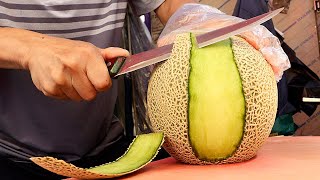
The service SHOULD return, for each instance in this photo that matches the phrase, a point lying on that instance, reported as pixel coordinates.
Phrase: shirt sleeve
(145, 6)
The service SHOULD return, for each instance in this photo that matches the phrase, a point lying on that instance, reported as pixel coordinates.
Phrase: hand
(198, 18)
(69, 69)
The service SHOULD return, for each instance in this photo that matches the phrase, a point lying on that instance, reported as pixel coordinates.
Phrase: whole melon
(215, 104)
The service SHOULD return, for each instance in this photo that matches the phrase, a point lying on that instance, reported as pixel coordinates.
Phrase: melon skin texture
(140, 152)
(216, 104)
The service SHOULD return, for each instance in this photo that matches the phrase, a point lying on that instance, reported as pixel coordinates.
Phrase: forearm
(166, 9)
(14, 47)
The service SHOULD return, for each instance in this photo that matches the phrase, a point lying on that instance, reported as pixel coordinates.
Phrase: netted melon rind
(66, 169)
(69, 170)
(261, 96)
(168, 100)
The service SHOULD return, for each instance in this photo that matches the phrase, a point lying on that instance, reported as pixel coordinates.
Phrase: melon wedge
(141, 151)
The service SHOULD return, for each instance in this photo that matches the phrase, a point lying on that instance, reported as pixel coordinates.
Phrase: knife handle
(114, 65)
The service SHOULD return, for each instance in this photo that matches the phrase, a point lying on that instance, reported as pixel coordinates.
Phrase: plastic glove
(199, 18)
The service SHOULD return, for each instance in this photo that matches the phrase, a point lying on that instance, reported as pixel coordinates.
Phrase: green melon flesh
(141, 151)
(216, 102)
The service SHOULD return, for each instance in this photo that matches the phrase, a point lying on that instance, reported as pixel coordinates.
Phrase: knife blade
(140, 60)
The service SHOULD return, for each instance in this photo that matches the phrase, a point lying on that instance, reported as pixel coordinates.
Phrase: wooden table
(293, 158)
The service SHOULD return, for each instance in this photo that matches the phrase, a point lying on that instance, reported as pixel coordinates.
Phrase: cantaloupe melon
(216, 104)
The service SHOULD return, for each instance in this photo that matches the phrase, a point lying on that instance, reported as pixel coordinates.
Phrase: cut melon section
(141, 151)
(216, 115)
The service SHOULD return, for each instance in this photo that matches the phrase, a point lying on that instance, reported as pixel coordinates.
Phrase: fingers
(77, 87)
(49, 88)
(62, 79)
(113, 52)
(84, 86)
(69, 89)
(98, 74)
(268, 44)
(45, 83)
(97, 71)
(60, 82)
(79, 80)
(72, 80)
(60, 96)
(72, 69)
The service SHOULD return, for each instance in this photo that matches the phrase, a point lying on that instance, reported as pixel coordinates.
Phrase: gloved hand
(199, 18)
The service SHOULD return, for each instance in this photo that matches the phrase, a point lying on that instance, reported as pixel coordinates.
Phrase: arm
(60, 68)
(12, 48)
(168, 7)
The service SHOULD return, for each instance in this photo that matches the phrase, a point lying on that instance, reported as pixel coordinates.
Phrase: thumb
(113, 52)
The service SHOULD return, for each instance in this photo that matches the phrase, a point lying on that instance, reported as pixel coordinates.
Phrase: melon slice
(141, 151)
(216, 104)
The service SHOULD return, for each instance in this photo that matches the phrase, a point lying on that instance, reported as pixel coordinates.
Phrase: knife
(137, 61)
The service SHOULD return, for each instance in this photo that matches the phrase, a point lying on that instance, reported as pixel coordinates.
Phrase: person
(56, 96)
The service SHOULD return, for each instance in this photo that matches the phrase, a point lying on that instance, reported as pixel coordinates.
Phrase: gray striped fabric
(64, 18)
(32, 124)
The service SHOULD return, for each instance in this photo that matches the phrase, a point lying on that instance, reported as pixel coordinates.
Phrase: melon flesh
(141, 151)
(216, 115)
(216, 104)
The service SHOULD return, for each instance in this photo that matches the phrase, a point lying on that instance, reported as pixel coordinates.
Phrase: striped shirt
(32, 124)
